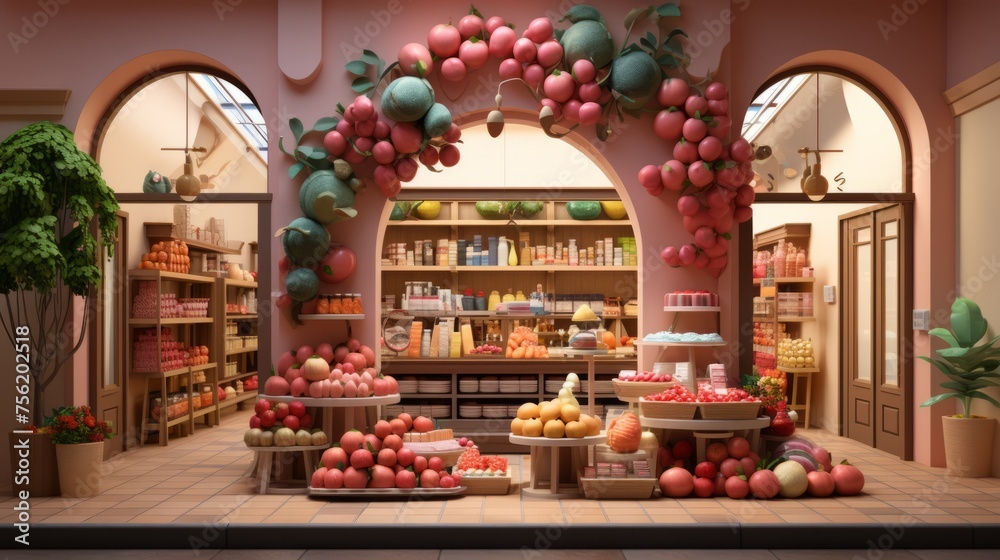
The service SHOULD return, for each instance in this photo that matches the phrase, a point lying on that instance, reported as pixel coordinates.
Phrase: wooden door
(875, 375)
(107, 342)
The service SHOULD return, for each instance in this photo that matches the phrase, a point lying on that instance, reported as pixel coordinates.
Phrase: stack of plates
(433, 386)
(468, 384)
(528, 384)
(412, 409)
(392, 411)
(603, 386)
(441, 411)
(408, 385)
(489, 385)
(512, 410)
(510, 385)
(551, 385)
(470, 410)
(494, 411)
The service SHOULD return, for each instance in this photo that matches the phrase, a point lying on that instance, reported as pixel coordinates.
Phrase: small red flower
(89, 421)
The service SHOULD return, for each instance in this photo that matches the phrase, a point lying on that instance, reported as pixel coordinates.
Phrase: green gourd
(325, 198)
(305, 241)
(583, 209)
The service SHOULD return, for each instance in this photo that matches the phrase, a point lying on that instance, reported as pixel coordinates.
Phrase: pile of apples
(713, 179)
(486, 349)
(282, 425)
(327, 371)
(796, 353)
(380, 460)
(732, 469)
(680, 393)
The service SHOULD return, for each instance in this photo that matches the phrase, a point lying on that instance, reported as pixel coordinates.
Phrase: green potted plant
(52, 200)
(968, 439)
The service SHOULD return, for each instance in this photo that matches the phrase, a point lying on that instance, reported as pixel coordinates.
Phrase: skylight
(238, 108)
(762, 111)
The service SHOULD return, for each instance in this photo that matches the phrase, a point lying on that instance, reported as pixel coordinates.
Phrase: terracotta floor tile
(327, 518)
(940, 519)
(67, 518)
(763, 519)
(589, 518)
(110, 519)
(849, 518)
(671, 518)
(630, 519)
(155, 519)
(985, 518)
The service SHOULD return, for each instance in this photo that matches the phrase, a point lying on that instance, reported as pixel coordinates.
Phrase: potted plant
(51, 197)
(968, 439)
(79, 440)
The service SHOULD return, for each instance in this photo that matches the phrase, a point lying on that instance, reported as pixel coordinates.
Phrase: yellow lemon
(615, 209)
(554, 429)
(428, 209)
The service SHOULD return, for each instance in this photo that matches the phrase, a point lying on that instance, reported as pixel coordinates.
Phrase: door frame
(905, 314)
(95, 345)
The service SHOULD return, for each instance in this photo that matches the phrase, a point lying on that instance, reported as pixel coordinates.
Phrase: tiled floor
(200, 479)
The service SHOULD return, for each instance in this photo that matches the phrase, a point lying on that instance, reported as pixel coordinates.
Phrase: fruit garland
(577, 77)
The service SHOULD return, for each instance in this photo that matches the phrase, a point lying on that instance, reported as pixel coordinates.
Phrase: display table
(589, 356)
(264, 458)
(338, 414)
(801, 383)
(709, 429)
(555, 463)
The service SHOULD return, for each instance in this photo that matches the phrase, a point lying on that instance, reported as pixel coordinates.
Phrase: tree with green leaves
(51, 193)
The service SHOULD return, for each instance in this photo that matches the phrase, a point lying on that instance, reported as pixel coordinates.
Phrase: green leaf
(371, 58)
(938, 398)
(295, 169)
(318, 154)
(473, 11)
(295, 125)
(304, 151)
(325, 124)
(672, 34)
(967, 321)
(945, 335)
(636, 15)
(362, 84)
(668, 10)
(327, 270)
(356, 67)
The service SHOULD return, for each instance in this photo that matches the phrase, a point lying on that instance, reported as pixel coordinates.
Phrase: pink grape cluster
(395, 147)
(713, 178)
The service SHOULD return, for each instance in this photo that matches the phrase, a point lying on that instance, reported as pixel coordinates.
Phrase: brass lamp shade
(188, 185)
(815, 185)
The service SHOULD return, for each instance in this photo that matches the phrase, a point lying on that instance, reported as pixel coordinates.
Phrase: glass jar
(336, 304)
(206, 396)
(347, 304)
(323, 305)
(358, 309)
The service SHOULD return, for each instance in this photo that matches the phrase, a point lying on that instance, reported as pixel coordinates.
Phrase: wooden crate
(487, 485)
(615, 488)
(670, 410)
(433, 435)
(729, 411)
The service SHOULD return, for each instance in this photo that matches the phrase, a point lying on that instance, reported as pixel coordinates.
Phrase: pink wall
(973, 43)
(95, 50)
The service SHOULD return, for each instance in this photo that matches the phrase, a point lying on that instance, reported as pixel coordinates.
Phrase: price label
(717, 375)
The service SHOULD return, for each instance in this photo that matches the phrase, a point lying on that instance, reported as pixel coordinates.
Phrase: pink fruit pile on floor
(328, 371)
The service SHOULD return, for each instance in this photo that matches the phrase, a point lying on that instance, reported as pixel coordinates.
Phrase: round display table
(340, 414)
(555, 463)
(264, 458)
(589, 356)
(710, 429)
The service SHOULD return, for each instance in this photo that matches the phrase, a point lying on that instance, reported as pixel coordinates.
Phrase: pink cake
(691, 298)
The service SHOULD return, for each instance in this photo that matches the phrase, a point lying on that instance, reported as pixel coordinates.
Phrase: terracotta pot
(42, 479)
(968, 446)
(80, 468)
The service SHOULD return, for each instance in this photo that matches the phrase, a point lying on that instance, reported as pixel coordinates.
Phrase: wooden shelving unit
(229, 291)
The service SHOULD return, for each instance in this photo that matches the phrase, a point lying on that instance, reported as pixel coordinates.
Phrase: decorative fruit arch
(578, 77)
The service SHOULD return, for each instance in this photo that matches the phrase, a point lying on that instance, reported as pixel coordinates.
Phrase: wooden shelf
(494, 269)
(161, 231)
(247, 395)
(523, 222)
(203, 367)
(332, 316)
(790, 319)
(787, 369)
(168, 276)
(155, 426)
(789, 232)
(231, 317)
(202, 411)
(691, 309)
(171, 321)
(168, 373)
(240, 351)
(492, 315)
(236, 377)
(250, 284)
(789, 280)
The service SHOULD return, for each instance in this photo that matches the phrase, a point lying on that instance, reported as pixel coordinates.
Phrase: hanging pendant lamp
(188, 185)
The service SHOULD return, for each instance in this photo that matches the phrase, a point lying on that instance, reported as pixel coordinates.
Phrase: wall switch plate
(829, 294)
(921, 319)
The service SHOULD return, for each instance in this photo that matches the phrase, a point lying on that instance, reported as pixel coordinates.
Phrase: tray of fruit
(674, 403)
(487, 475)
(630, 384)
(385, 492)
(735, 404)
(448, 451)
(486, 351)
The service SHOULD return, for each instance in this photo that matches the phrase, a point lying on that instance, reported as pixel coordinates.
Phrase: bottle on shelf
(502, 248)
(779, 260)
(800, 262)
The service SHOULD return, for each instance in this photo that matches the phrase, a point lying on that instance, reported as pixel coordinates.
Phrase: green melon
(583, 209)
(636, 76)
(325, 198)
(407, 99)
(437, 121)
(302, 284)
(588, 40)
(305, 241)
(397, 213)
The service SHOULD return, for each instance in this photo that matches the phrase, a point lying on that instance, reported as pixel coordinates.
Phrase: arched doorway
(850, 311)
(190, 120)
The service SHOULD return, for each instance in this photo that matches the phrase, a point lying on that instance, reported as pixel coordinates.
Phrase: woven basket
(615, 488)
(636, 389)
(486, 485)
(729, 411)
(669, 410)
